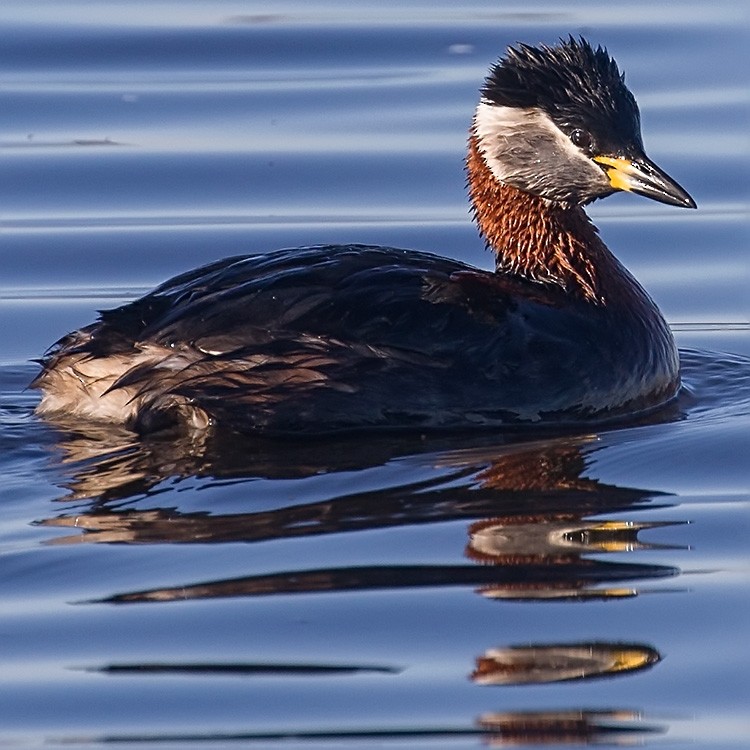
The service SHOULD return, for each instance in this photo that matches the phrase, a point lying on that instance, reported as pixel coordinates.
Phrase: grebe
(329, 338)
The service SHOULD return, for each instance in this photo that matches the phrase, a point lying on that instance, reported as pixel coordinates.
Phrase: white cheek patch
(507, 137)
(496, 128)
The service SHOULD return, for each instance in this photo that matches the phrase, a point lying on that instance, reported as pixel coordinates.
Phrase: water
(454, 592)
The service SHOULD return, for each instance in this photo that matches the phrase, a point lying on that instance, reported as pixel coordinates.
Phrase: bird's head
(560, 123)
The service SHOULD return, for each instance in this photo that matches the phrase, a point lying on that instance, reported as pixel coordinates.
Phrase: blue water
(413, 592)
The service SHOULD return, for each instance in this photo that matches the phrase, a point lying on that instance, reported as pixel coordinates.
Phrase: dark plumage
(331, 338)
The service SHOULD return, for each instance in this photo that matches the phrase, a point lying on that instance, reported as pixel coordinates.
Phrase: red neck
(535, 239)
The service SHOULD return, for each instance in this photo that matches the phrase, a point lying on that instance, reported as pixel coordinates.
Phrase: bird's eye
(581, 138)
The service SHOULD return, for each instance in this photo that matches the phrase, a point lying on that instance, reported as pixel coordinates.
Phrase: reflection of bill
(535, 664)
(583, 727)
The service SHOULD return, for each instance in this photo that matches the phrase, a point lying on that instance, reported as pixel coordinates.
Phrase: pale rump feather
(81, 385)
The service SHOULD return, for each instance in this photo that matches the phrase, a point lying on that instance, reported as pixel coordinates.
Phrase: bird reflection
(529, 508)
(537, 528)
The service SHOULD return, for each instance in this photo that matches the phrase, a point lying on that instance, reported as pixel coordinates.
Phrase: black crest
(577, 85)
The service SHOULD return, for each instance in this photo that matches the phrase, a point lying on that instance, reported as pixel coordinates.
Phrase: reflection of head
(552, 540)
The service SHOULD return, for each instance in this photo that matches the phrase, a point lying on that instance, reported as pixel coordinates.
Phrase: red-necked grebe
(328, 338)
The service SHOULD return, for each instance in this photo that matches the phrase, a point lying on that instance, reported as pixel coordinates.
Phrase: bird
(345, 338)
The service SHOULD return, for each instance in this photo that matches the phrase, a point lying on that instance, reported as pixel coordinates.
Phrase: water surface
(457, 591)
